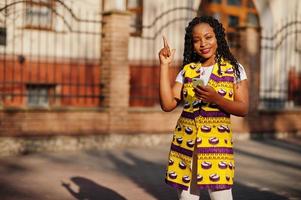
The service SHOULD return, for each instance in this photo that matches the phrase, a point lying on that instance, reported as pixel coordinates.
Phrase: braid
(223, 50)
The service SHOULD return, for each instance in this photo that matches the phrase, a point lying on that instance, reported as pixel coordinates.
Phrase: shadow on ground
(9, 192)
(139, 167)
(292, 143)
(8, 189)
(274, 161)
(243, 192)
(150, 176)
(89, 190)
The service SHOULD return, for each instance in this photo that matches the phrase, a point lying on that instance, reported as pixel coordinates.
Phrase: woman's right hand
(169, 96)
(165, 54)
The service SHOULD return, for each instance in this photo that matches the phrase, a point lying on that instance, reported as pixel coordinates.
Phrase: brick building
(89, 68)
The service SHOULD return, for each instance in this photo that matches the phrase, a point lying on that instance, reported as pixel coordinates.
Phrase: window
(40, 95)
(3, 36)
(252, 19)
(233, 21)
(234, 2)
(231, 13)
(136, 7)
(39, 14)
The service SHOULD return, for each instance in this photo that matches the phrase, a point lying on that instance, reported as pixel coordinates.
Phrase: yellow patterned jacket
(205, 129)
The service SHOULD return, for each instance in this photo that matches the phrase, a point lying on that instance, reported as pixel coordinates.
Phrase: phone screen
(196, 82)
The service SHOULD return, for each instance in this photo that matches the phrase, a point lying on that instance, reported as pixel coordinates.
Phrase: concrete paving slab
(267, 169)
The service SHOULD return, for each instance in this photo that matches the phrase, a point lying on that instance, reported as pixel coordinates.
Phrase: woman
(212, 85)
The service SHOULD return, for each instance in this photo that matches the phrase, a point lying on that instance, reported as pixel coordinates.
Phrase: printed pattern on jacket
(204, 128)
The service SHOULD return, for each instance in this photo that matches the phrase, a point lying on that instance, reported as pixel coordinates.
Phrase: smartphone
(196, 82)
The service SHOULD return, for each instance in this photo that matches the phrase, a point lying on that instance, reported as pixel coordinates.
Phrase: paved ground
(265, 170)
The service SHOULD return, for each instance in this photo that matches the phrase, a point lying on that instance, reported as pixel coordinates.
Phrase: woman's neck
(209, 62)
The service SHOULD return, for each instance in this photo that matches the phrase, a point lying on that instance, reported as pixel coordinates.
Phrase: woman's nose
(202, 43)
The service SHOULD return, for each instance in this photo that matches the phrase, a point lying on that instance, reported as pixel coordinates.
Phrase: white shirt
(206, 72)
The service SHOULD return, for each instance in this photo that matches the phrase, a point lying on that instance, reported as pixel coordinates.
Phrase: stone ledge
(24, 145)
(10, 146)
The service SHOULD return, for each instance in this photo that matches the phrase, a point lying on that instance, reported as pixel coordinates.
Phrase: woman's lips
(205, 51)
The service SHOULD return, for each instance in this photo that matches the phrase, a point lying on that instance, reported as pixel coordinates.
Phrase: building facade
(91, 67)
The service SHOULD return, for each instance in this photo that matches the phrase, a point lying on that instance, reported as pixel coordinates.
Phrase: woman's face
(204, 42)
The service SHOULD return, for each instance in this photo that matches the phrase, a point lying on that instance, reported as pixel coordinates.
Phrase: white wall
(61, 42)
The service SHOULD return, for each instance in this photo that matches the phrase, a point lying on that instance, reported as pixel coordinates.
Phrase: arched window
(232, 14)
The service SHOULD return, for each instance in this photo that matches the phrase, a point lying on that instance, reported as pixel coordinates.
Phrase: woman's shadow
(89, 190)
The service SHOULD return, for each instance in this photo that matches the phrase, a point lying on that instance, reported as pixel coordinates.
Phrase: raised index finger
(165, 43)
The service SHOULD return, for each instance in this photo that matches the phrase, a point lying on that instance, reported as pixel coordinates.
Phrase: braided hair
(223, 50)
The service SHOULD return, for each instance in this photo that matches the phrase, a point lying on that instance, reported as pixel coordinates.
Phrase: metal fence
(280, 75)
(49, 54)
(280, 78)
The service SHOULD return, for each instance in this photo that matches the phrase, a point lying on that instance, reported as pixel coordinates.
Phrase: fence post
(249, 57)
(115, 73)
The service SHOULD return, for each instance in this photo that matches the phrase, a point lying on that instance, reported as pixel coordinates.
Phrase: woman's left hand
(206, 94)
